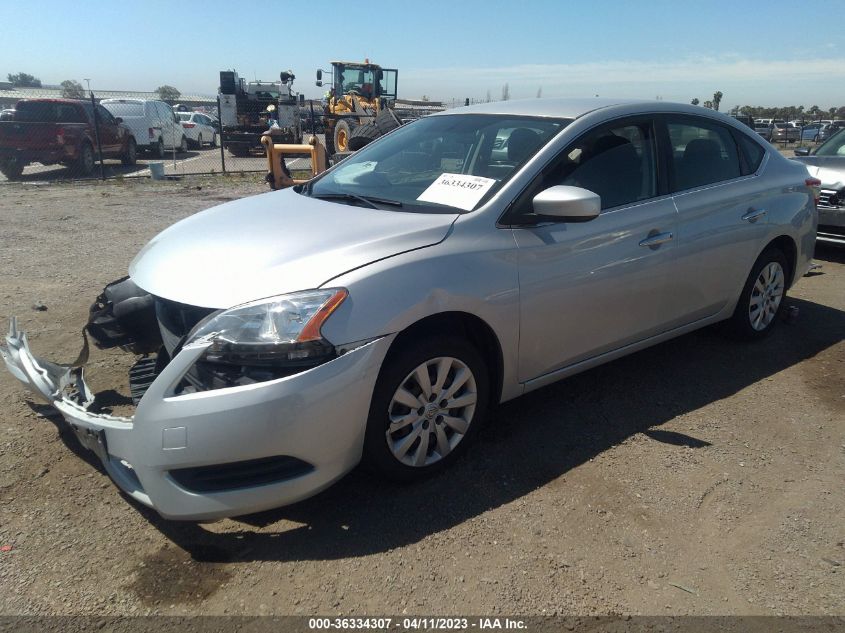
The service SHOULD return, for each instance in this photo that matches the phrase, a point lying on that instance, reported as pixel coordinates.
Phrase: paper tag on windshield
(457, 190)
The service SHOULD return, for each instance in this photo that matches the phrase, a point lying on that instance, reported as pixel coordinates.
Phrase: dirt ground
(696, 477)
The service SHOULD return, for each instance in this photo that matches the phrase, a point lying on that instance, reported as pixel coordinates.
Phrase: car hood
(829, 169)
(272, 244)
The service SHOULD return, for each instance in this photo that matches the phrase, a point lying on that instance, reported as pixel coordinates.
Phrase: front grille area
(830, 199)
(176, 320)
(245, 474)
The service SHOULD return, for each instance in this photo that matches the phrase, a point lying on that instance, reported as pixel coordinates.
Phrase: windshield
(439, 164)
(359, 80)
(834, 146)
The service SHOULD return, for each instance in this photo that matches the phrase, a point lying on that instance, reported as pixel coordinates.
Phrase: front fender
(461, 274)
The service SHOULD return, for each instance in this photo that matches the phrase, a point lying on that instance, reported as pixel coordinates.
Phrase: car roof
(574, 108)
(54, 100)
(127, 100)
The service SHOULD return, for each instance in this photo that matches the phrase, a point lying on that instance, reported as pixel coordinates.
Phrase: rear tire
(158, 149)
(387, 121)
(12, 169)
(84, 165)
(130, 157)
(408, 443)
(362, 136)
(763, 297)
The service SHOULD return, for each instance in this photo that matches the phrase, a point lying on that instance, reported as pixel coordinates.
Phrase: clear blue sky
(756, 52)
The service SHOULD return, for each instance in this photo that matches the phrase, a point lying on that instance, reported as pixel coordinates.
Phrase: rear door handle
(656, 240)
(753, 215)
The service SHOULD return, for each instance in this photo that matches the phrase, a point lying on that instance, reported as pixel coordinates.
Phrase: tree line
(72, 89)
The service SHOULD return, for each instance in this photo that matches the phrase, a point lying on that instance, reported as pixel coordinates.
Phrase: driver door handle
(753, 215)
(656, 240)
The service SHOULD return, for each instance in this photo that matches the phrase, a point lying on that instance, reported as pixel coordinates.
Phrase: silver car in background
(376, 313)
(827, 163)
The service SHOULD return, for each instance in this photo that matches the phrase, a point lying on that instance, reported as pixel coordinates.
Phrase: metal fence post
(97, 136)
(220, 130)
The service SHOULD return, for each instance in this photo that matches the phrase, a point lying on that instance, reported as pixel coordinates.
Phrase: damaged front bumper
(218, 453)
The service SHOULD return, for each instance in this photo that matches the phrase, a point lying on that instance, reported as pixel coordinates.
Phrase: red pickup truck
(51, 131)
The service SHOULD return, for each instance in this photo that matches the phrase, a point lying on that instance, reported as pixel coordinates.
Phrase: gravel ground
(697, 477)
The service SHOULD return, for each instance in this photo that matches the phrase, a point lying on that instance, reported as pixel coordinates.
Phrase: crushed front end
(212, 435)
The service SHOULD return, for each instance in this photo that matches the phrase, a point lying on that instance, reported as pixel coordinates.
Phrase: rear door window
(125, 110)
(105, 116)
(703, 152)
(752, 153)
(48, 112)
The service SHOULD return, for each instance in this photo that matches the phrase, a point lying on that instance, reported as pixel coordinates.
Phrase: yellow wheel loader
(358, 105)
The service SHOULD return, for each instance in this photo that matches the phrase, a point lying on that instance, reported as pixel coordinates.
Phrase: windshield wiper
(367, 201)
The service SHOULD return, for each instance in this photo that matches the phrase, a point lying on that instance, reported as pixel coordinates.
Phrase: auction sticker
(457, 190)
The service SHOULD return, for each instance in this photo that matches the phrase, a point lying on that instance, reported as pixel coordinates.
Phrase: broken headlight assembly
(263, 340)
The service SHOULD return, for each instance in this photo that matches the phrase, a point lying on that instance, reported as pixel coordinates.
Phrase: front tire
(342, 132)
(763, 296)
(430, 399)
(329, 141)
(363, 136)
(12, 169)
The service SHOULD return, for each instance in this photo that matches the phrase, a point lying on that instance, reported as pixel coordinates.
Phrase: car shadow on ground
(528, 443)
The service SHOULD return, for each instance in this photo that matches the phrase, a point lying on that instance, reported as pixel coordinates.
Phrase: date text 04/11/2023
(416, 623)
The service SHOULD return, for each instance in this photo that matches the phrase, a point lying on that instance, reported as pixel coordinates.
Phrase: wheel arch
(477, 331)
(787, 246)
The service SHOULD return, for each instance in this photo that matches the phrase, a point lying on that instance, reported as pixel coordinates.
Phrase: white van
(154, 124)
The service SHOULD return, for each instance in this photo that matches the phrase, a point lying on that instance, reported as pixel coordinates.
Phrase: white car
(154, 124)
(199, 128)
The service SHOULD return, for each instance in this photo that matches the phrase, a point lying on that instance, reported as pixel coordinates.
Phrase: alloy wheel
(766, 296)
(431, 411)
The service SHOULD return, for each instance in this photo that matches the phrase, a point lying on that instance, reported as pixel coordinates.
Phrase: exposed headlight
(264, 339)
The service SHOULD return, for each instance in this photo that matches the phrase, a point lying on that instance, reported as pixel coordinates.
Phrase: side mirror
(802, 151)
(563, 203)
(318, 83)
(118, 119)
(319, 74)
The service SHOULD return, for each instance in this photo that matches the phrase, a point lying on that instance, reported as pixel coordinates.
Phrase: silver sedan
(378, 312)
(827, 163)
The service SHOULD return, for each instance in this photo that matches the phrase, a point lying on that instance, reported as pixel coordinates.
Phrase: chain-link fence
(46, 136)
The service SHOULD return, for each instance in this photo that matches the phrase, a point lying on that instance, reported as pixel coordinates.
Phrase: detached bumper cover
(317, 417)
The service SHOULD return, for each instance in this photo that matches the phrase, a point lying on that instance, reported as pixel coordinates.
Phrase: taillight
(152, 133)
(189, 125)
(816, 185)
(60, 136)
